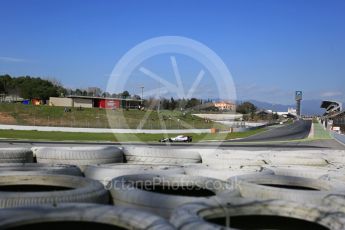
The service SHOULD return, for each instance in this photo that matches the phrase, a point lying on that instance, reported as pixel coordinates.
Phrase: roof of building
(336, 114)
(224, 102)
(326, 104)
(332, 108)
(264, 112)
(105, 98)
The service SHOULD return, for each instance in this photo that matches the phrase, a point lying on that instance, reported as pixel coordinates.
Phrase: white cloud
(11, 59)
(331, 94)
(264, 93)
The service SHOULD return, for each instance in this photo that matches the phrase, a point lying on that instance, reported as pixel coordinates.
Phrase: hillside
(18, 114)
(309, 107)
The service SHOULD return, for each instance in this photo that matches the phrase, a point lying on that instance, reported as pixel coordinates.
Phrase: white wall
(60, 101)
(82, 102)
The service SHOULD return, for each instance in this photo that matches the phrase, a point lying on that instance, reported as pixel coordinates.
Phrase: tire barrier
(305, 188)
(16, 155)
(296, 189)
(160, 194)
(84, 216)
(20, 190)
(80, 156)
(313, 172)
(336, 158)
(35, 149)
(105, 173)
(154, 155)
(224, 174)
(285, 160)
(219, 158)
(38, 169)
(251, 214)
(306, 158)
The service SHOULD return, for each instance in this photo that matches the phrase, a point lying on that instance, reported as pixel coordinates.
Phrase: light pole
(142, 94)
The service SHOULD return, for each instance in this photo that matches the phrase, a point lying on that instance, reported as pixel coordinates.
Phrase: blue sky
(271, 47)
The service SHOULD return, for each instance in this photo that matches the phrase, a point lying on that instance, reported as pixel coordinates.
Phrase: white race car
(179, 138)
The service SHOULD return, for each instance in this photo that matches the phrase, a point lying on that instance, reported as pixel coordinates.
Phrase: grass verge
(320, 132)
(122, 137)
(18, 114)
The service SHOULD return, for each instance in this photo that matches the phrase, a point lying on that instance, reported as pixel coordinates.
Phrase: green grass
(141, 137)
(320, 132)
(100, 118)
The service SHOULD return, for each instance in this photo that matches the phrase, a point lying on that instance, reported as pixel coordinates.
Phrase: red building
(104, 103)
(109, 104)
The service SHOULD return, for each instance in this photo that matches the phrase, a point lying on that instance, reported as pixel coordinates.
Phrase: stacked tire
(16, 155)
(152, 155)
(139, 187)
(80, 156)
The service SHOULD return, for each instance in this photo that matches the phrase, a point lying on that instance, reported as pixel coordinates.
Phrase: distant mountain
(271, 106)
(308, 107)
(312, 107)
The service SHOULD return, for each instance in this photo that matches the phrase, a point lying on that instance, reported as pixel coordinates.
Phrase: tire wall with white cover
(16, 155)
(296, 157)
(213, 215)
(157, 155)
(225, 158)
(220, 158)
(314, 172)
(28, 190)
(38, 169)
(125, 191)
(105, 173)
(80, 156)
(69, 215)
(224, 174)
(296, 189)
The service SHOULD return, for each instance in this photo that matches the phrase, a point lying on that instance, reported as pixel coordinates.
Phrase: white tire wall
(195, 215)
(156, 155)
(219, 158)
(80, 156)
(224, 174)
(300, 157)
(38, 169)
(335, 157)
(16, 155)
(79, 189)
(35, 149)
(259, 187)
(124, 192)
(117, 217)
(284, 160)
(313, 172)
(105, 173)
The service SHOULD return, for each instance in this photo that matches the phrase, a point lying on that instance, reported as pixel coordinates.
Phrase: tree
(165, 103)
(29, 87)
(78, 92)
(193, 103)
(275, 116)
(5, 83)
(246, 108)
(125, 94)
(173, 104)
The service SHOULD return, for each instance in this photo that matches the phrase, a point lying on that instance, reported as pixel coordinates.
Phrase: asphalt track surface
(298, 130)
(287, 137)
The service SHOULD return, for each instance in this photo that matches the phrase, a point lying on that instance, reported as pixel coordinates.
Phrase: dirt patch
(6, 118)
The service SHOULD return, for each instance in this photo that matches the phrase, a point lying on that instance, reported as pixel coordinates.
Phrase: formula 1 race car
(179, 138)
